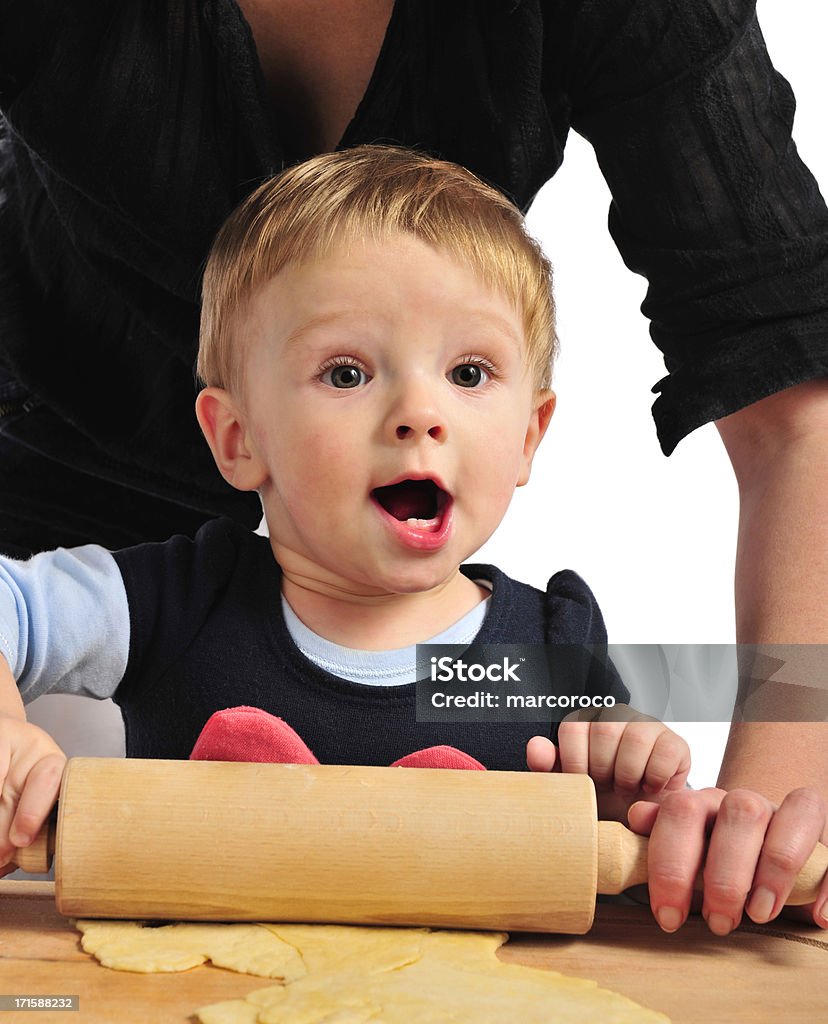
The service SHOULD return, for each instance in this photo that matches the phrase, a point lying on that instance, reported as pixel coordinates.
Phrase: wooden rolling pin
(215, 841)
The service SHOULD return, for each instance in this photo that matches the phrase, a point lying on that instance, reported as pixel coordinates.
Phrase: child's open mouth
(418, 511)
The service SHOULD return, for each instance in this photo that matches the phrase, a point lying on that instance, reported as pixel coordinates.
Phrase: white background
(655, 538)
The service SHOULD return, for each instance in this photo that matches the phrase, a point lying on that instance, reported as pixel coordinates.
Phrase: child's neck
(377, 621)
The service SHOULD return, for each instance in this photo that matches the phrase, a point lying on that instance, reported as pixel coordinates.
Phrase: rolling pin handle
(622, 863)
(809, 878)
(36, 858)
(622, 858)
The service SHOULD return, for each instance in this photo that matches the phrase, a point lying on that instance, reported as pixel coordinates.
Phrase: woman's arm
(779, 451)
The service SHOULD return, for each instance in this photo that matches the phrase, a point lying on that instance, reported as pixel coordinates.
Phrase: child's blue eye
(344, 376)
(469, 375)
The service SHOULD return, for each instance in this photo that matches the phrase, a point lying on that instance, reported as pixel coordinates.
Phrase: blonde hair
(311, 209)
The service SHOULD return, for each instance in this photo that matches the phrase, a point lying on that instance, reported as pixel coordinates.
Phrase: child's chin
(416, 580)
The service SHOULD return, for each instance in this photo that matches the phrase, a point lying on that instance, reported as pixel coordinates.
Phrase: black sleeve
(691, 125)
(172, 588)
(43, 41)
(576, 639)
(572, 613)
(26, 31)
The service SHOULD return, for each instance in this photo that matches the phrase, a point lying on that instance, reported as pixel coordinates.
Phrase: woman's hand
(750, 850)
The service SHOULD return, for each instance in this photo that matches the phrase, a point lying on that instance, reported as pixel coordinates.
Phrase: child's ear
(542, 409)
(222, 423)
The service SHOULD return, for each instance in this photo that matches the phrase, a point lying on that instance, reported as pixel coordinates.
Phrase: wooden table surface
(774, 974)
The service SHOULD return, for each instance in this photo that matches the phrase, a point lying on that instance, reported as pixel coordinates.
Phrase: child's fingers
(541, 754)
(5, 760)
(589, 742)
(7, 809)
(669, 762)
(573, 746)
(635, 751)
(8, 802)
(37, 798)
(6, 845)
(642, 816)
(604, 741)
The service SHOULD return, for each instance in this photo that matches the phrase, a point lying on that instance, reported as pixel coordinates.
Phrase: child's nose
(404, 430)
(416, 416)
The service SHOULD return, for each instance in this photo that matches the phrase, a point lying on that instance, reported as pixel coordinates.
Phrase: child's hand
(31, 766)
(632, 758)
(751, 850)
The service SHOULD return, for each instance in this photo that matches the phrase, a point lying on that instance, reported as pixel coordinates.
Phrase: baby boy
(376, 346)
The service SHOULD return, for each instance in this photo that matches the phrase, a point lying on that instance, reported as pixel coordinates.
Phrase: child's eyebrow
(321, 320)
(471, 319)
(499, 323)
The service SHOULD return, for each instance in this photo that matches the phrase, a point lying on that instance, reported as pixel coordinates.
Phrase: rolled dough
(338, 974)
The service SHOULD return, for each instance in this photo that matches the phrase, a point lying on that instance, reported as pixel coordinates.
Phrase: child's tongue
(407, 500)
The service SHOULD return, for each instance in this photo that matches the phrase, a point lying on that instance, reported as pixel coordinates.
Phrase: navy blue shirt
(207, 633)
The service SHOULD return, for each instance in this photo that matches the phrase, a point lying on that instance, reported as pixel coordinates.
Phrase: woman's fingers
(790, 839)
(734, 851)
(678, 838)
(752, 853)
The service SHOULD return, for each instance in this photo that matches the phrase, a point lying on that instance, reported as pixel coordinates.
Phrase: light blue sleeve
(64, 622)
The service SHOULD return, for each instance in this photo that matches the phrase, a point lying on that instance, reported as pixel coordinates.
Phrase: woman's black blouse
(132, 129)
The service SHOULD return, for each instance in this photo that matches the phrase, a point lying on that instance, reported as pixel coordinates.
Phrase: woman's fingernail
(821, 915)
(719, 924)
(760, 907)
(669, 918)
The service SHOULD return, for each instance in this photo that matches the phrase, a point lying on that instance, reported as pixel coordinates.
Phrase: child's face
(389, 408)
